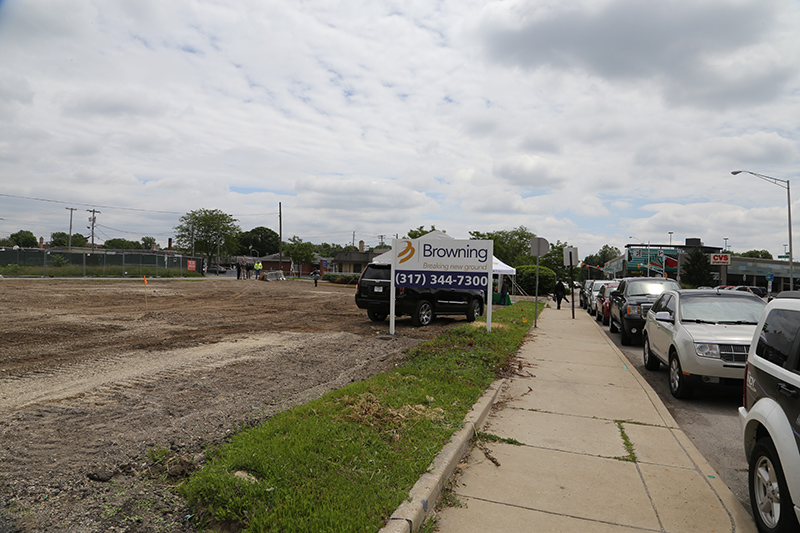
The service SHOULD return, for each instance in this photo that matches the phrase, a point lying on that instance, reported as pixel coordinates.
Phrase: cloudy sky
(587, 121)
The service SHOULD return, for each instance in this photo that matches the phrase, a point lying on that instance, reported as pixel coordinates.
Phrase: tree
(207, 232)
(263, 240)
(419, 232)
(121, 244)
(757, 254)
(329, 250)
(513, 247)
(61, 238)
(697, 269)
(603, 256)
(24, 239)
(149, 242)
(298, 251)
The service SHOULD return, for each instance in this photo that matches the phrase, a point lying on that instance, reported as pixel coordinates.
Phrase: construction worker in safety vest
(258, 268)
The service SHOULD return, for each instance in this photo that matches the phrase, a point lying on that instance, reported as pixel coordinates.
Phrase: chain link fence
(77, 262)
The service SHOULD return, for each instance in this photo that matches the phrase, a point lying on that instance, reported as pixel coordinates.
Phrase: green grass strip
(346, 461)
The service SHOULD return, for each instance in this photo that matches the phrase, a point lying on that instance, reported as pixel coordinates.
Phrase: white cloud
(584, 120)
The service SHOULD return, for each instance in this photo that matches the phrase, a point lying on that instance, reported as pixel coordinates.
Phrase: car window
(777, 336)
(651, 288)
(719, 309)
(669, 305)
(374, 272)
(659, 303)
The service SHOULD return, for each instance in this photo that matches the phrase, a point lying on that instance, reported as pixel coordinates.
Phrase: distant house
(278, 262)
(355, 262)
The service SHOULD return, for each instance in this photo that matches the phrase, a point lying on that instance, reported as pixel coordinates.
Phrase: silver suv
(770, 416)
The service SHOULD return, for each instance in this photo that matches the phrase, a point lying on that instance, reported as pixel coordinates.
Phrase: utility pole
(354, 239)
(280, 238)
(71, 209)
(381, 238)
(93, 219)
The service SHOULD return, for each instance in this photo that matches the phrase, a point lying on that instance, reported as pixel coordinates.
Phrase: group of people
(244, 269)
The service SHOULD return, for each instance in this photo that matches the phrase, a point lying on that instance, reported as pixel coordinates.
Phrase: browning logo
(408, 252)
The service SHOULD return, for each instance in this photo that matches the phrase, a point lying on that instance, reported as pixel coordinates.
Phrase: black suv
(770, 416)
(630, 303)
(422, 304)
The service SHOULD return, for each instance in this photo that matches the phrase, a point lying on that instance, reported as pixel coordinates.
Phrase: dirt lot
(96, 375)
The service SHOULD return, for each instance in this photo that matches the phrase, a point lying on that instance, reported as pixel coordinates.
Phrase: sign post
(570, 258)
(442, 264)
(539, 247)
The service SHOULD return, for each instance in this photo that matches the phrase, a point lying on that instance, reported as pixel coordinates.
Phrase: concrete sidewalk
(574, 406)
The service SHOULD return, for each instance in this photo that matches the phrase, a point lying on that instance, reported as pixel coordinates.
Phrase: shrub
(526, 278)
(343, 279)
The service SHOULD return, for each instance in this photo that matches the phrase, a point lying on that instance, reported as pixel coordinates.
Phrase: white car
(701, 335)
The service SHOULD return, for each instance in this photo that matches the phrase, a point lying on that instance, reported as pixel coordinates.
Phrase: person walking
(316, 276)
(239, 269)
(560, 293)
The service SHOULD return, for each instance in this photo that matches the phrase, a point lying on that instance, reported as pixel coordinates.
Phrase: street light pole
(785, 184)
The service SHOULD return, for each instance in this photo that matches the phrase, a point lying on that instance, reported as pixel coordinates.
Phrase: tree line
(213, 233)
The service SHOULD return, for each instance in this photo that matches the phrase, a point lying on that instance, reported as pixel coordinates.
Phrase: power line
(91, 205)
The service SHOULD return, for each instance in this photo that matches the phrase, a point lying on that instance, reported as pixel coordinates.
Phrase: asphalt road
(709, 419)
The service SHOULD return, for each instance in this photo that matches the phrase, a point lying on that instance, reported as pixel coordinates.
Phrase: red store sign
(720, 259)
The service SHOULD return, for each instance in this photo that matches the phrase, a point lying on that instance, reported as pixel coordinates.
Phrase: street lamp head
(735, 172)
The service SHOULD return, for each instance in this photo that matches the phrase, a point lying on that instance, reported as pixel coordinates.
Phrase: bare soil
(111, 390)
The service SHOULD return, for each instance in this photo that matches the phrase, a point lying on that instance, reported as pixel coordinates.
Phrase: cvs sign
(720, 259)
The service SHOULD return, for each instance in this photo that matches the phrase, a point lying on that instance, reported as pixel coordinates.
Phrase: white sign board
(442, 264)
(720, 259)
(570, 256)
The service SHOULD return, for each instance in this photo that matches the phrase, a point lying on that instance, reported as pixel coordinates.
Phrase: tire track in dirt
(134, 368)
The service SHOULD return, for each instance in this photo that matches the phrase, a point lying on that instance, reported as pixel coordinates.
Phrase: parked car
(585, 291)
(770, 416)
(603, 302)
(216, 269)
(422, 304)
(758, 291)
(702, 336)
(630, 303)
(591, 298)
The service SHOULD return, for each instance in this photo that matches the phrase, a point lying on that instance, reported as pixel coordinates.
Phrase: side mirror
(615, 294)
(664, 316)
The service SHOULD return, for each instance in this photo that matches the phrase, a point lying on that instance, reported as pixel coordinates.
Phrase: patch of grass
(491, 437)
(158, 456)
(628, 444)
(344, 462)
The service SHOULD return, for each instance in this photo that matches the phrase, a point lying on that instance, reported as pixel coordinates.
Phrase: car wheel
(376, 316)
(624, 336)
(598, 317)
(612, 327)
(423, 313)
(473, 310)
(769, 496)
(605, 319)
(679, 386)
(650, 361)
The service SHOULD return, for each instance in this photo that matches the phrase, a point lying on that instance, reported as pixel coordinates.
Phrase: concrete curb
(425, 492)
